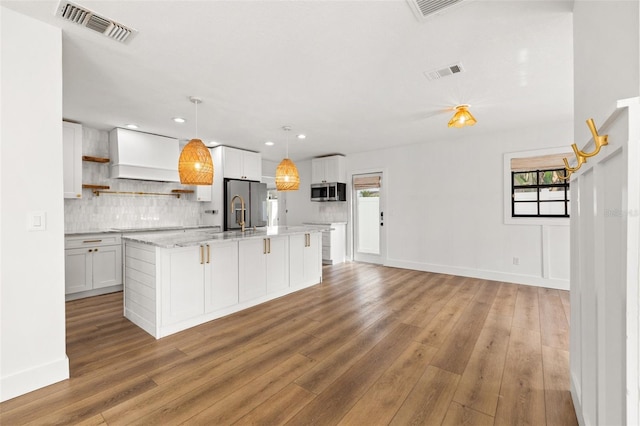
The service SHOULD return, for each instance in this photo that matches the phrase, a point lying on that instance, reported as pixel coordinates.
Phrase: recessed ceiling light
(131, 126)
(179, 120)
(301, 136)
(213, 143)
(269, 143)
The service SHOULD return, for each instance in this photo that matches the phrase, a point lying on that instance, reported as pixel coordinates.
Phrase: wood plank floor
(370, 345)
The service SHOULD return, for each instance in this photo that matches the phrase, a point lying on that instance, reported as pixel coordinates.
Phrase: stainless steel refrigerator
(254, 195)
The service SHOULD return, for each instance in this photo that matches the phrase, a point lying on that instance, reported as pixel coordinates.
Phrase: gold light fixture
(195, 165)
(287, 177)
(462, 117)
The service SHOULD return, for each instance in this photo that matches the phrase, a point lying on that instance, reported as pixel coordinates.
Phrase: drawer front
(92, 240)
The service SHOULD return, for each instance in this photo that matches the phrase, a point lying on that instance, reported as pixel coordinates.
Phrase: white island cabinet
(264, 267)
(176, 282)
(305, 260)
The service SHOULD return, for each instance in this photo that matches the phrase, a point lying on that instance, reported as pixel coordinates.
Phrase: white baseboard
(481, 274)
(576, 401)
(35, 378)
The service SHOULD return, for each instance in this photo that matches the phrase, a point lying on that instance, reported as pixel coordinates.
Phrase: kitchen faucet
(242, 209)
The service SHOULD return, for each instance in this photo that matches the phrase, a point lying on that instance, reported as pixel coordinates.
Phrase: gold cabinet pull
(91, 241)
(90, 250)
(269, 245)
(201, 255)
(208, 253)
(95, 250)
(264, 246)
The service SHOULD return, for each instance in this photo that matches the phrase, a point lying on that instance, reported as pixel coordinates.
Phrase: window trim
(507, 200)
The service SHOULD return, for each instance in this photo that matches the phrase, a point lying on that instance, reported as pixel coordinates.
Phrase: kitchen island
(177, 280)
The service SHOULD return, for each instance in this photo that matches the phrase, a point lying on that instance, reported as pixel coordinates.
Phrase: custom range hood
(143, 156)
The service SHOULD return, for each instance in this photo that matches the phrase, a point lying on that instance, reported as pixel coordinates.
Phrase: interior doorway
(368, 217)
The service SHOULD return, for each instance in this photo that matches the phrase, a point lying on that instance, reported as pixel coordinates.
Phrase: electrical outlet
(516, 260)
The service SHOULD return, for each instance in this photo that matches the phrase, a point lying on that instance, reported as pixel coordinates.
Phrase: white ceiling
(348, 74)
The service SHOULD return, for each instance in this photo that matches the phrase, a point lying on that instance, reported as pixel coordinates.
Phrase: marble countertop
(325, 223)
(195, 237)
(180, 229)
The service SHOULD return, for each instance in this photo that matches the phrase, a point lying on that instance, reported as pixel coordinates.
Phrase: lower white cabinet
(92, 263)
(171, 289)
(263, 266)
(221, 291)
(183, 281)
(198, 280)
(304, 259)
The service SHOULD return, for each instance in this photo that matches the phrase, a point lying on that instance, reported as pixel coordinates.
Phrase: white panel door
(107, 266)
(252, 166)
(296, 259)
(252, 269)
(182, 284)
(77, 269)
(277, 264)
(313, 259)
(72, 159)
(221, 282)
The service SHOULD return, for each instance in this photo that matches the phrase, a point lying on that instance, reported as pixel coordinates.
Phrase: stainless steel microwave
(333, 191)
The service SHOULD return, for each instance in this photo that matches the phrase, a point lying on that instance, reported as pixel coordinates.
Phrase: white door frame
(383, 203)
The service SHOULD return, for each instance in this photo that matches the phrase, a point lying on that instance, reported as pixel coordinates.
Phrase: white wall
(604, 301)
(606, 61)
(444, 208)
(32, 332)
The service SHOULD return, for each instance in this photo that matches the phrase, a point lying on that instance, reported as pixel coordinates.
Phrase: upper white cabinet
(72, 159)
(203, 192)
(328, 169)
(239, 164)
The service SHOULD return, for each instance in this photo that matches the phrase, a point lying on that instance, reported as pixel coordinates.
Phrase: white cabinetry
(221, 291)
(328, 169)
(334, 244)
(72, 159)
(183, 276)
(264, 267)
(304, 260)
(239, 164)
(203, 192)
(93, 265)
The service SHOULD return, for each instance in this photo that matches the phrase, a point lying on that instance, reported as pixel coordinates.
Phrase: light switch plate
(36, 221)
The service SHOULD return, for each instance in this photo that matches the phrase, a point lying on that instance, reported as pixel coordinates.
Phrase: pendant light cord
(197, 119)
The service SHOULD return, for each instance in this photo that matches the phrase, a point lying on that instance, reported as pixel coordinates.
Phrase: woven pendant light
(195, 165)
(462, 117)
(287, 177)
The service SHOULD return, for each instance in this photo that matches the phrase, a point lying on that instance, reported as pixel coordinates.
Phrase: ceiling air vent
(425, 8)
(87, 18)
(444, 72)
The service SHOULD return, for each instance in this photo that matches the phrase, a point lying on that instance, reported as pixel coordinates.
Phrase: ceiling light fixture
(179, 120)
(301, 136)
(287, 177)
(195, 165)
(131, 126)
(462, 117)
(213, 143)
(269, 143)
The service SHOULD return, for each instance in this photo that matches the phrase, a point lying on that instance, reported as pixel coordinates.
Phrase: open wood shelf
(182, 191)
(95, 159)
(87, 186)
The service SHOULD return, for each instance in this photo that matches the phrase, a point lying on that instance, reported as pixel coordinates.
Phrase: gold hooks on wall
(581, 156)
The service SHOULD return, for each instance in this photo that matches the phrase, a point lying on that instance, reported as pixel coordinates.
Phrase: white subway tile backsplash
(107, 211)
